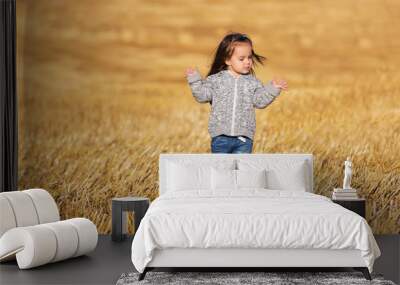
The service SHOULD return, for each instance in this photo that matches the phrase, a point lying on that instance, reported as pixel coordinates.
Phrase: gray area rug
(225, 278)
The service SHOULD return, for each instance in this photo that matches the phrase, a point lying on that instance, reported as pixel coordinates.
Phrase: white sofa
(31, 231)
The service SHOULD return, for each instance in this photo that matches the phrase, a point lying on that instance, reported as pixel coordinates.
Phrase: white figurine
(347, 174)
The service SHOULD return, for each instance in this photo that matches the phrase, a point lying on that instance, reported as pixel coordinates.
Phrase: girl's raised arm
(264, 94)
(202, 90)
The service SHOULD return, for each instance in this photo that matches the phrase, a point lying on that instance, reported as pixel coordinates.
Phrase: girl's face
(241, 60)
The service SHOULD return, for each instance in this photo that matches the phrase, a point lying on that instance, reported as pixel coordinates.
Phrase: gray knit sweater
(232, 101)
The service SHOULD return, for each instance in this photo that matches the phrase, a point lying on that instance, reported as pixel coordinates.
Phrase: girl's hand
(279, 83)
(190, 71)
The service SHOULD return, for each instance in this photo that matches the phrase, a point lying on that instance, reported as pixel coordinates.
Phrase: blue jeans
(231, 144)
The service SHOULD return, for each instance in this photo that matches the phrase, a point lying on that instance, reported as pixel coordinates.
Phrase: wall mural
(102, 92)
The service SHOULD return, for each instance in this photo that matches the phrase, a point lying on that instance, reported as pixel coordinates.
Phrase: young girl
(233, 92)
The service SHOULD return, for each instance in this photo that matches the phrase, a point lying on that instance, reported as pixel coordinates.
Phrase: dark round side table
(137, 205)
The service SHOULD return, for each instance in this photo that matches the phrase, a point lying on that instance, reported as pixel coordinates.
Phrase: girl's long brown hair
(225, 50)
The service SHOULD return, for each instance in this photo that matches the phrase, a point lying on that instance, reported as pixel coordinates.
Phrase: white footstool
(31, 232)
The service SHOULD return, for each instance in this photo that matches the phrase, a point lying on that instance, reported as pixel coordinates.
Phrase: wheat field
(102, 92)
